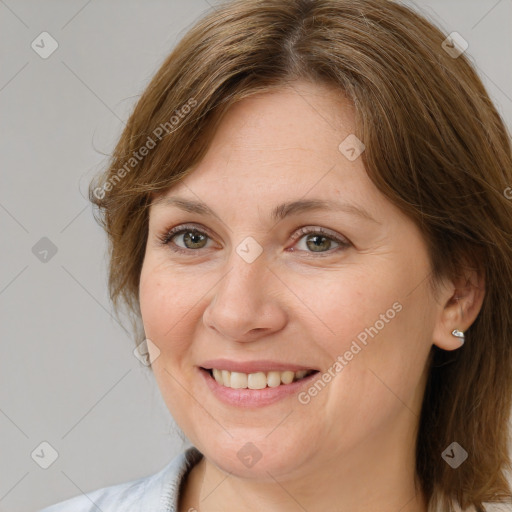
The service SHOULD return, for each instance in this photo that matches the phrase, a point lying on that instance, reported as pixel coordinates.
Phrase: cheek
(164, 305)
(164, 302)
(340, 306)
(153, 303)
(370, 325)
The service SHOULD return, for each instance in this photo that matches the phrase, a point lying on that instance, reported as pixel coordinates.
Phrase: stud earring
(459, 334)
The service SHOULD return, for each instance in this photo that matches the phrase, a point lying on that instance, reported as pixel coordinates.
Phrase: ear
(460, 302)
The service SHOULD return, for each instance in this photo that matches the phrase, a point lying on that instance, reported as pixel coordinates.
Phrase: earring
(459, 334)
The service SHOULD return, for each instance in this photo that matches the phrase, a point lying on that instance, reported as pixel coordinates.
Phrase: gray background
(68, 374)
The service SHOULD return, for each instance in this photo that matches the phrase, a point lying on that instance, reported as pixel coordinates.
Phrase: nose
(245, 305)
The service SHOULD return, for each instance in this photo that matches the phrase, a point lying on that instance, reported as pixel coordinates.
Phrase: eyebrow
(279, 212)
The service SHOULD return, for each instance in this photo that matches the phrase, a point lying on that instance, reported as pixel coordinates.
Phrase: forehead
(275, 148)
(284, 138)
(297, 117)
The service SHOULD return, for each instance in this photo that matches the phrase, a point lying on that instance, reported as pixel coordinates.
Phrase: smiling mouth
(257, 380)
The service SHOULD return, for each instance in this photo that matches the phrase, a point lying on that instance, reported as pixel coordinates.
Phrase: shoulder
(106, 499)
(154, 493)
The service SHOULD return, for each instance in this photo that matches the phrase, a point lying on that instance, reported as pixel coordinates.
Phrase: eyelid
(168, 234)
(306, 230)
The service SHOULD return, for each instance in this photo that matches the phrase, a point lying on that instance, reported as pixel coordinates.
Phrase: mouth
(256, 380)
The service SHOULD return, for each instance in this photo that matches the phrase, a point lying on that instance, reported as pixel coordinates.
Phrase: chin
(262, 460)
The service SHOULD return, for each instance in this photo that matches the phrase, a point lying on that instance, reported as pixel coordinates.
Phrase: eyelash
(168, 235)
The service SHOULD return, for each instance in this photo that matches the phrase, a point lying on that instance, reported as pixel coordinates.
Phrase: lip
(253, 398)
(252, 366)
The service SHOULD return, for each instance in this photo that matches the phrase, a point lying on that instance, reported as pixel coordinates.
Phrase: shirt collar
(162, 490)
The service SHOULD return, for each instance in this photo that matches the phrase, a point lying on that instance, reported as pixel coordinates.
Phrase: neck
(375, 476)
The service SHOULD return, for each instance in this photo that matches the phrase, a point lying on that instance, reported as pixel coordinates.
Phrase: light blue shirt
(155, 493)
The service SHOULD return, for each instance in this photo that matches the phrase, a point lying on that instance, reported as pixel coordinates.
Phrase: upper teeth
(258, 380)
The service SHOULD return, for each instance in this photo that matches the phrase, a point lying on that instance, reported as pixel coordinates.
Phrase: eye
(193, 238)
(319, 238)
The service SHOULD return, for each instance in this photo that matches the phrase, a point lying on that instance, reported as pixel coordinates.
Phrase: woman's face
(249, 286)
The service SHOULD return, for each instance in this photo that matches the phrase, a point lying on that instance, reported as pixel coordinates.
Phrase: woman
(309, 211)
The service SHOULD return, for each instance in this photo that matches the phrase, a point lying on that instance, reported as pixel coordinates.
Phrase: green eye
(194, 239)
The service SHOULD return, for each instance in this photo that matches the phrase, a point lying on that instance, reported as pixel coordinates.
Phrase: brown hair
(436, 147)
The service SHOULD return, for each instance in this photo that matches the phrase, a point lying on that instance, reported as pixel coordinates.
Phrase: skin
(351, 448)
